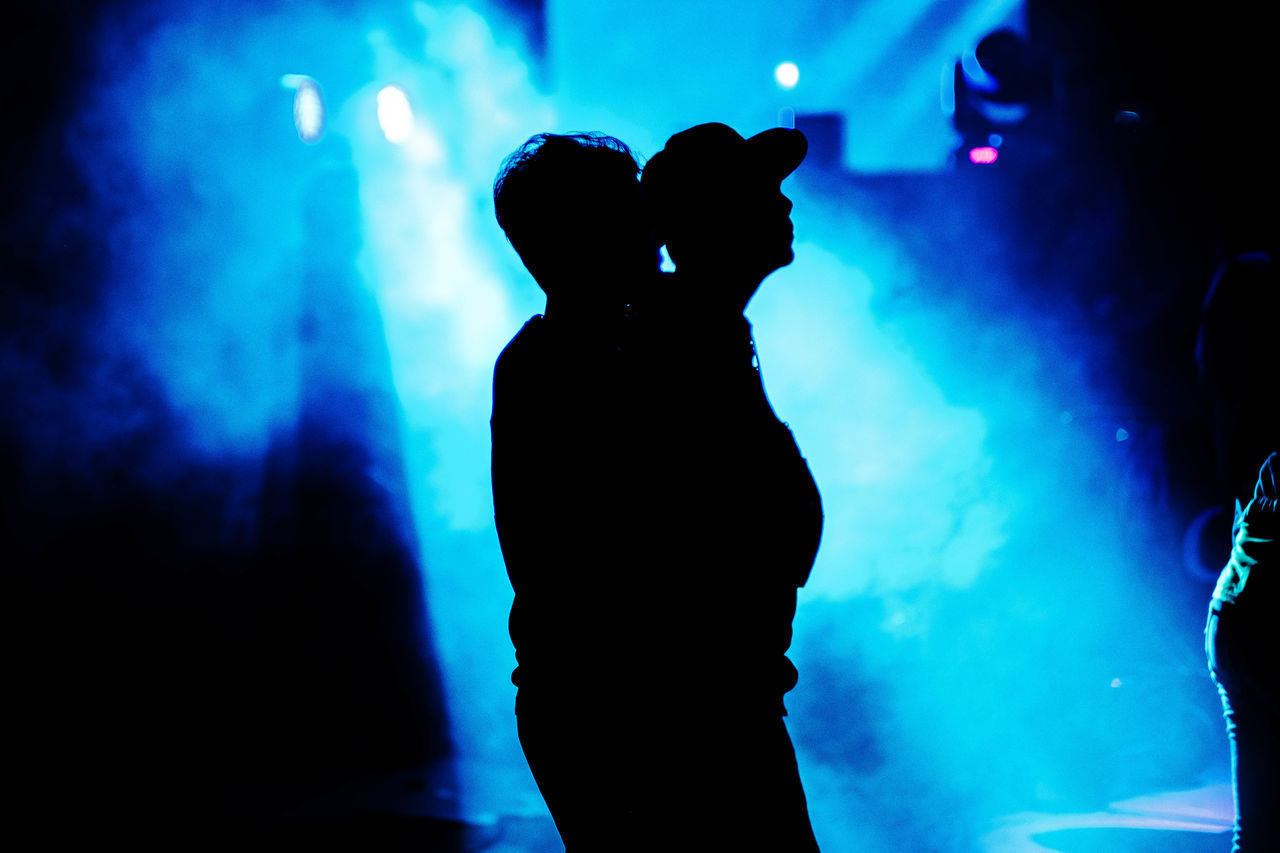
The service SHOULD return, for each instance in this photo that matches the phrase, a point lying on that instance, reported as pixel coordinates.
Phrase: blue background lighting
(999, 642)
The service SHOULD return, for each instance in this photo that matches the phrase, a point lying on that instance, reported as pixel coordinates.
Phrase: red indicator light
(983, 156)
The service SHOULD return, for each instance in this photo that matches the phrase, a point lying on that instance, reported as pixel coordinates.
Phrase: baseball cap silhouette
(715, 154)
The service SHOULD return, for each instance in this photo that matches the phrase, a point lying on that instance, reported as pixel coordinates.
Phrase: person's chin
(781, 260)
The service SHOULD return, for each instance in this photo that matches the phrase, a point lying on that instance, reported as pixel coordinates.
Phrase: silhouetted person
(1237, 354)
(746, 507)
(567, 499)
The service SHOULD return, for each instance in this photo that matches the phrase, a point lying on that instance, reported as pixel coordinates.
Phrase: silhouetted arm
(1255, 539)
(520, 469)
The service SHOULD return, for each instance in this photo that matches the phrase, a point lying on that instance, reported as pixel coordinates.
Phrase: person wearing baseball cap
(718, 205)
(741, 499)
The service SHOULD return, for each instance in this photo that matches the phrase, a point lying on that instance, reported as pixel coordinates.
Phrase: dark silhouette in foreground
(655, 517)
(1237, 356)
(720, 210)
(564, 431)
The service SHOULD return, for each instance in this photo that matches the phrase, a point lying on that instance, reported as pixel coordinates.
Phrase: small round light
(787, 75)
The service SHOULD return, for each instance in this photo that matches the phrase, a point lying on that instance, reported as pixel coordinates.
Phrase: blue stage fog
(998, 640)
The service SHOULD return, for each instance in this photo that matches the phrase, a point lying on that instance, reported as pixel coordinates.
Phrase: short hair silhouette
(571, 205)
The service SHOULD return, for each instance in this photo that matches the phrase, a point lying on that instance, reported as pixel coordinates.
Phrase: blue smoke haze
(984, 579)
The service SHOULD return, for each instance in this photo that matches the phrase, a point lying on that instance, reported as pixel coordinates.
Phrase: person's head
(572, 207)
(1235, 352)
(717, 198)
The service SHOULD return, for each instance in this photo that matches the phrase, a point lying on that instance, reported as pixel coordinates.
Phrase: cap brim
(779, 149)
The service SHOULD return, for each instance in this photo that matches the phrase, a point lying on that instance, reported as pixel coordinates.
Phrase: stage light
(983, 155)
(308, 106)
(993, 90)
(787, 75)
(395, 116)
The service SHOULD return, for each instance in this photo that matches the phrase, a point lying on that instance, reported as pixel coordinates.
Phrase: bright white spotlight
(787, 75)
(394, 114)
(308, 106)
(308, 112)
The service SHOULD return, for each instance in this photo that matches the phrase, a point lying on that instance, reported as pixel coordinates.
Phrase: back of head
(1239, 320)
(1236, 355)
(571, 206)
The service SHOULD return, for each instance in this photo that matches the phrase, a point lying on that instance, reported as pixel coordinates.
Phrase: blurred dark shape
(1236, 355)
(1013, 73)
(1201, 85)
(825, 135)
(531, 17)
